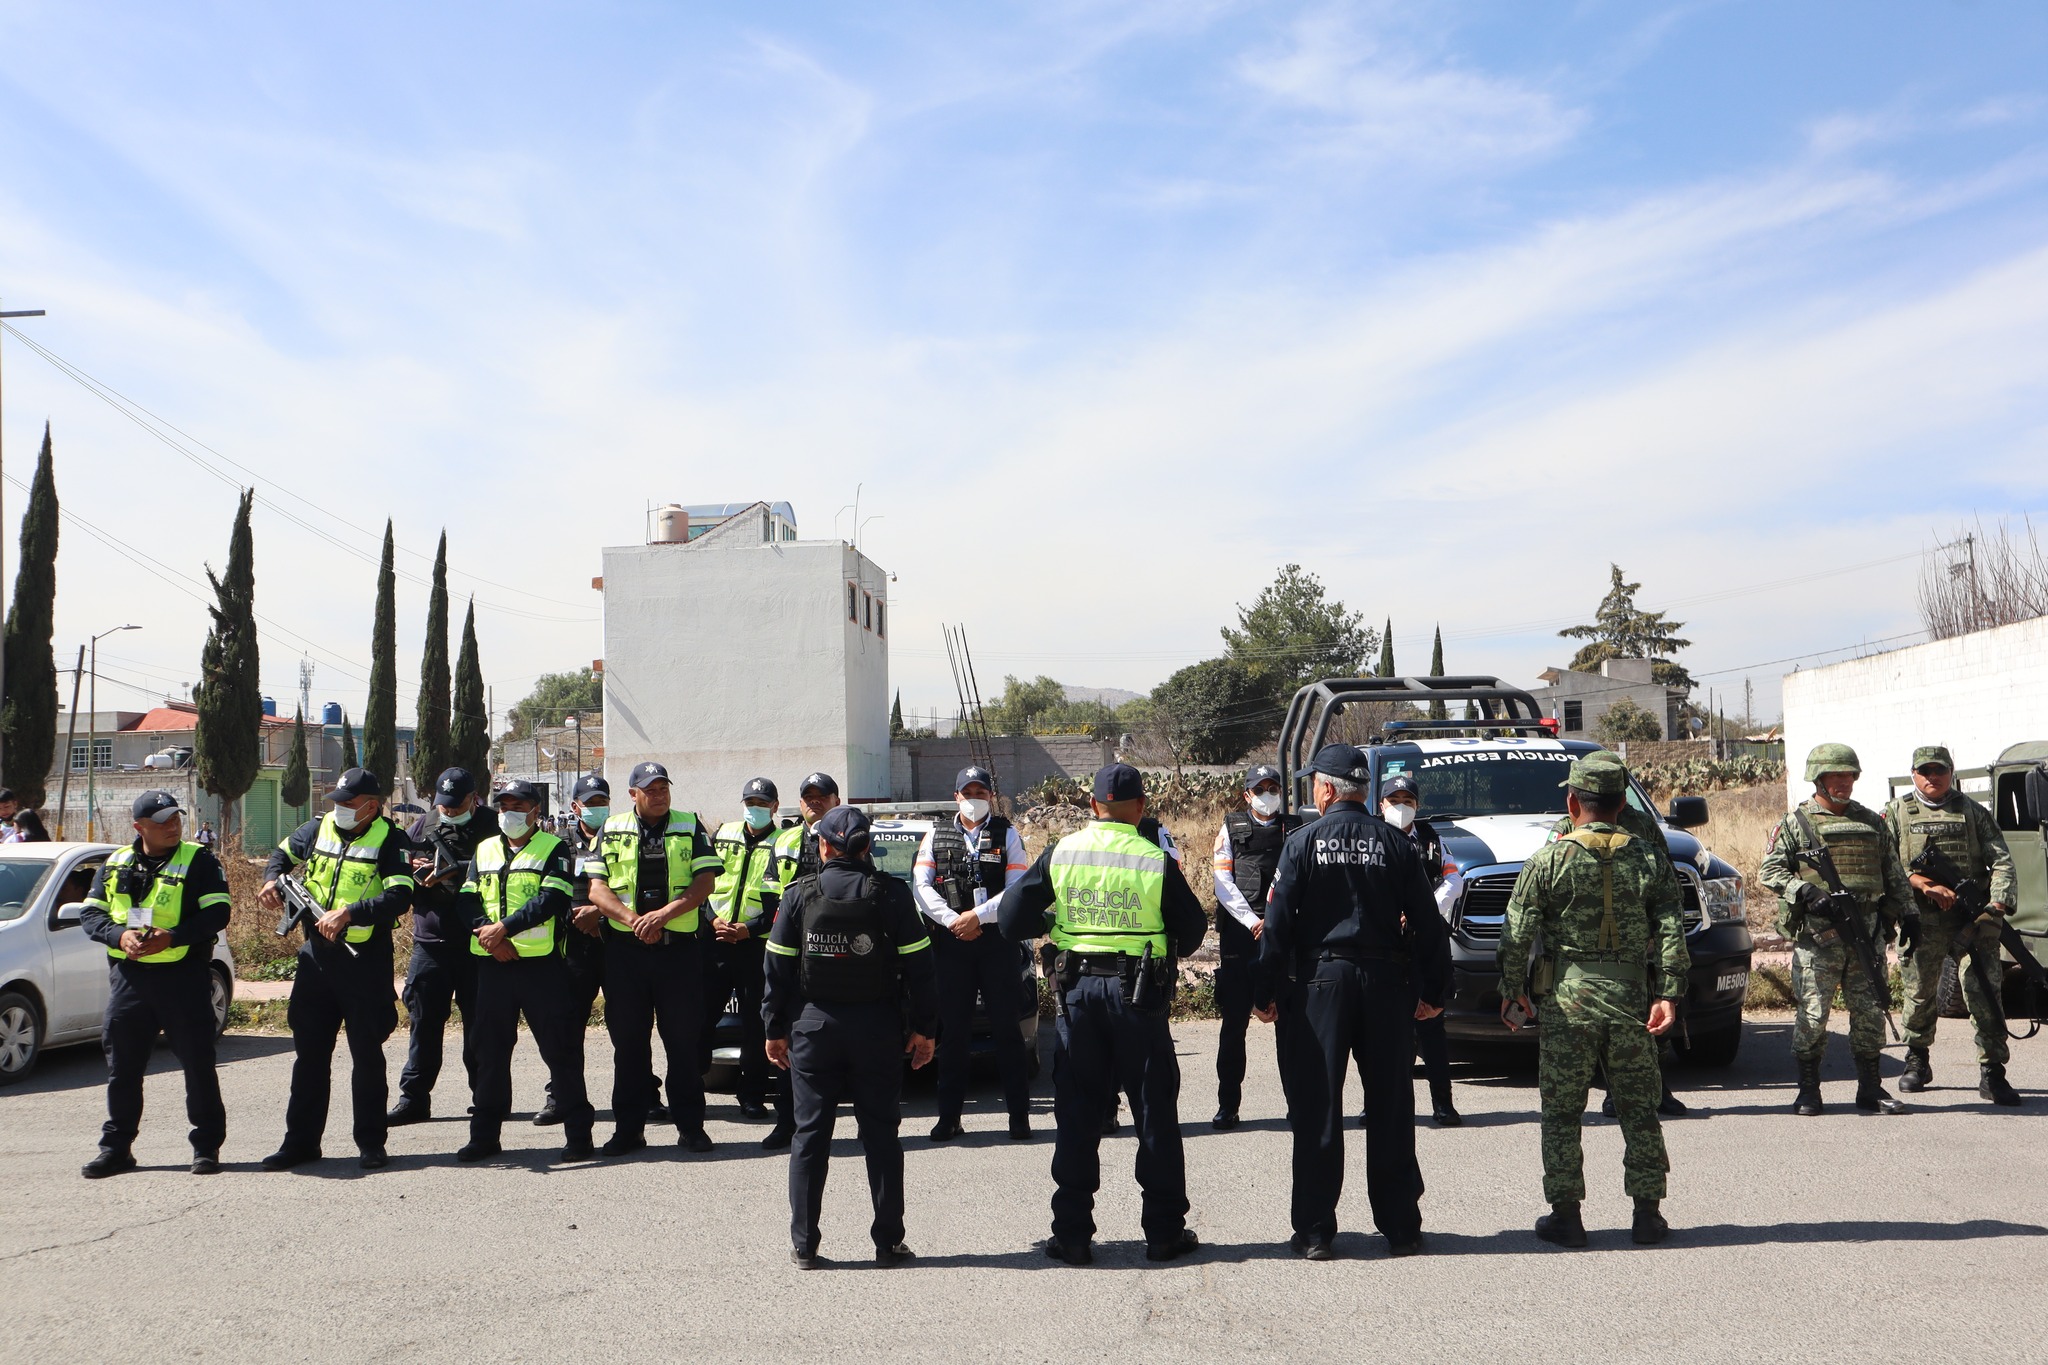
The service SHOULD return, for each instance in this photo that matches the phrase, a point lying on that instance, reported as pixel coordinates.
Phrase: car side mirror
(70, 914)
(1687, 812)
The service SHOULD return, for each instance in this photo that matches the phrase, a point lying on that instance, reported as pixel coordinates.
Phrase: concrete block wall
(1976, 693)
(923, 769)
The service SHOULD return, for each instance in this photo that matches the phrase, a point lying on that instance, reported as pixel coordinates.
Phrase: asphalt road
(1842, 1238)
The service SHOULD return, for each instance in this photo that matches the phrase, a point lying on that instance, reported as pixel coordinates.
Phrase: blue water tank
(270, 706)
(330, 713)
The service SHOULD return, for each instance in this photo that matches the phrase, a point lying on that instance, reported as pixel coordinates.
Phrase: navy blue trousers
(846, 1052)
(988, 967)
(1103, 1046)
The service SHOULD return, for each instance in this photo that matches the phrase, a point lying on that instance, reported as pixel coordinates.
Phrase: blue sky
(1109, 309)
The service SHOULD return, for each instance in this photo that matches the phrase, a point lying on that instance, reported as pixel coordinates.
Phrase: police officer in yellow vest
(355, 866)
(157, 905)
(1119, 912)
(518, 898)
(659, 866)
(743, 906)
(796, 848)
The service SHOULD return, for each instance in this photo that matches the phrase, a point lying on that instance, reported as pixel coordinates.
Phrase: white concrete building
(1976, 693)
(738, 651)
(1578, 700)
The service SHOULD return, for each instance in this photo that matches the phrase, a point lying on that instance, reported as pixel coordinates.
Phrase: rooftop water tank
(330, 713)
(671, 525)
(270, 706)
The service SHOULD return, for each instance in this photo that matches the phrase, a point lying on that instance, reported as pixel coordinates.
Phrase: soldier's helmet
(1831, 758)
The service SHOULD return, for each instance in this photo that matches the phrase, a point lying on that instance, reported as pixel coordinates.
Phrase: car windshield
(20, 879)
(1489, 781)
(895, 850)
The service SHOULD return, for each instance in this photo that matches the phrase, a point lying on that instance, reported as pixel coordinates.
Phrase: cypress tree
(469, 728)
(431, 749)
(380, 720)
(896, 730)
(29, 718)
(1436, 670)
(228, 745)
(1387, 650)
(348, 745)
(298, 775)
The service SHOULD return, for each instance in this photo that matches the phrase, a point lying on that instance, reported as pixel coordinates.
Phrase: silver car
(53, 979)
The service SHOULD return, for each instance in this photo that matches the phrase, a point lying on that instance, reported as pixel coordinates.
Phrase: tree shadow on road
(83, 1066)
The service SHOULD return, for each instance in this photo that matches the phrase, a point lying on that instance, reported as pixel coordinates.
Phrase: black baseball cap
(844, 827)
(159, 806)
(1346, 761)
(973, 773)
(589, 785)
(759, 789)
(1262, 773)
(824, 782)
(519, 789)
(452, 786)
(1400, 782)
(1118, 782)
(355, 784)
(646, 775)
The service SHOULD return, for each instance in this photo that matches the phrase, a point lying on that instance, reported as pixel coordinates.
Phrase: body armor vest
(1255, 853)
(954, 864)
(847, 957)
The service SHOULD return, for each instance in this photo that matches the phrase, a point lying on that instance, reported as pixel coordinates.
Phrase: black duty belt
(1360, 955)
(1103, 964)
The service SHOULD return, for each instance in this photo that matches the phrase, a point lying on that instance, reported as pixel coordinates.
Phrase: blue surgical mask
(593, 816)
(759, 817)
(461, 819)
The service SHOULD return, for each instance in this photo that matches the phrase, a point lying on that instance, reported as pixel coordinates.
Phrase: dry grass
(1741, 824)
(252, 931)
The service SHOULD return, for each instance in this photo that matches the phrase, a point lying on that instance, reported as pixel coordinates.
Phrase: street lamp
(18, 313)
(576, 728)
(93, 732)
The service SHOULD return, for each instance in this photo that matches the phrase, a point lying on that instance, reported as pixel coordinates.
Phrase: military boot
(1919, 1072)
(1649, 1227)
(1561, 1226)
(1871, 1096)
(1992, 1085)
(1807, 1102)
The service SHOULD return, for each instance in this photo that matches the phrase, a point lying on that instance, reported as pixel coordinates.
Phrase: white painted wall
(728, 661)
(1976, 693)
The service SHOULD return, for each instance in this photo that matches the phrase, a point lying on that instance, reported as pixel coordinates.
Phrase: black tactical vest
(848, 958)
(952, 862)
(1255, 853)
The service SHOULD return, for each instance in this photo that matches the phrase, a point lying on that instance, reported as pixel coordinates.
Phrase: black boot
(1807, 1102)
(1919, 1072)
(548, 1115)
(1561, 1226)
(110, 1161)
(1992, 1085)
(1649, 1227)
(1871, 1096)
(1442, 1111)
(409, 1110)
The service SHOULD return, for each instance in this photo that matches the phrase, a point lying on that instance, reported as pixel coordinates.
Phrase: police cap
(355, 784)
(845, 828)
(1262, 773)
(452, 785)
(589, 785)
(645, 775)
(759, 789)
(1118, 782)
(519, 789)
(1343, 761)
(971, 774)
(824, 783)
(1400, 782)
(159, 806)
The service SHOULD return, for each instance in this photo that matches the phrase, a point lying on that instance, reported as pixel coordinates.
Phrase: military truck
(1491, 785)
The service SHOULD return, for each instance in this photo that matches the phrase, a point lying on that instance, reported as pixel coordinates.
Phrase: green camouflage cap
(1831, 758)
(1932, 753)
(1601, 773)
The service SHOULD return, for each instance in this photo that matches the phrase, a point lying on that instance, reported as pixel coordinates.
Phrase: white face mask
(514, 823)
(1266, 803)
(973, 810)
(347, 817)
(1398, 814)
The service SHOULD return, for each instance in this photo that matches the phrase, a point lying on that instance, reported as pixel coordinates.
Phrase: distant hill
(1109, 696)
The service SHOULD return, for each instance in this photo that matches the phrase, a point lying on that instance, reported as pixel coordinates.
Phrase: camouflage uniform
(1605, 902)
(1969, 834)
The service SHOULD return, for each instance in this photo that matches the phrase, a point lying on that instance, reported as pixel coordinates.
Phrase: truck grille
(1485, 906)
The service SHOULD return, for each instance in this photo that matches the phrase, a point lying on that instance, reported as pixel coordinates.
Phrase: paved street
(1843, 1238)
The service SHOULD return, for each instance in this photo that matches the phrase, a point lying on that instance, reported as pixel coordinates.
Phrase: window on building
(881, 619)
(78, 756)
(767, 527)
(868, 610)
(1574, 716)
(853, 604)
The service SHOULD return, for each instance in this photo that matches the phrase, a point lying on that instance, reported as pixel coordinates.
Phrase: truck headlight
(1721, 900)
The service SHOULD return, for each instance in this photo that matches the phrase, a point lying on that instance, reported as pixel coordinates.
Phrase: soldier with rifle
(441, 974)
(1841, 895)
(1962, 878)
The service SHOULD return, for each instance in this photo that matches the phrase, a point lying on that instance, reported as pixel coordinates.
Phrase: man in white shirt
(963, 867)
(1247, 850)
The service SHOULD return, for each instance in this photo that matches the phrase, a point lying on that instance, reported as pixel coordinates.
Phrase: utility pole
(71, 738)
(19, 313)
(92, 742)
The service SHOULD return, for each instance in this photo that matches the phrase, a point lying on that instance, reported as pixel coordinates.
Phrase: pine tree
(298, 776)
(228, 745)
(469, 727)
(1436, 670)
(896, 730)
(380, 719)
(431, 750)
(348, 744)
(1387, 650)
(29, 719)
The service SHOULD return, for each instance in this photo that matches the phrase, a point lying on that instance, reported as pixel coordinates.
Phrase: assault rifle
(301, 911)
(446, 864)
(1845, 918)
(1975, 901)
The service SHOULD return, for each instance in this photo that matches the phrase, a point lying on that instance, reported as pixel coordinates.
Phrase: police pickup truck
(1491, 785)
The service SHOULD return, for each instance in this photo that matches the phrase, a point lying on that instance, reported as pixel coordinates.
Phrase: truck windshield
(1485, 781)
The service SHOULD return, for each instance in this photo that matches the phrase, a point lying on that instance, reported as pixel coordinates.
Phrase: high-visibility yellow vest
(165, 903)
(748, 872)
(619, 842)
(1109, 890)
(342, 872)
(505, 886)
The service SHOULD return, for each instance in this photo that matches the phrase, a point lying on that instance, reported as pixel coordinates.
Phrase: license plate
(1731, 981)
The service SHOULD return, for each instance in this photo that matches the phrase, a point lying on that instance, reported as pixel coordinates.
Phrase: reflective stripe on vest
(165, 902)
(1109, 889)
(796, 855)
(505, 890)
(740, 870)
(620, 844)
(342, 873)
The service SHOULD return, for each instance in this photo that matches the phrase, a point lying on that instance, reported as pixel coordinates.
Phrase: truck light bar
(1546, 724)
